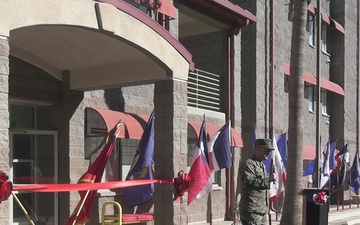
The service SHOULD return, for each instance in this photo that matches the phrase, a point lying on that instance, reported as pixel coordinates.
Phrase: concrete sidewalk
(337, 216)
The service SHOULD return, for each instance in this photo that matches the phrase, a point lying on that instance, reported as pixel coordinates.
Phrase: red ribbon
(182, 183)
(5, 187)
(320, 198)
(81, 186)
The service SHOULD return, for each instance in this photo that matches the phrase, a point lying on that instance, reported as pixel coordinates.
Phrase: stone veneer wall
(4, 122)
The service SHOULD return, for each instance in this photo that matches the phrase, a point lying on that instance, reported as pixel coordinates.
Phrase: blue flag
(219, 149)
(345, 164)
(355, 174)
(282, 146)
(309, 169)
(141, 168)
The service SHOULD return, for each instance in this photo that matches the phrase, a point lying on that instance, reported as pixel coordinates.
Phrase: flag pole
(23, 208)
(81, 207)
(115, 131)
(318, 89)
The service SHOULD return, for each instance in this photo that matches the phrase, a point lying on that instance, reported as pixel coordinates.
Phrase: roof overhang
(90, 49)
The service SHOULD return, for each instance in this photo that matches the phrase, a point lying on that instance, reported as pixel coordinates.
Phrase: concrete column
(72, 165)
(4, 121)
(170, 155)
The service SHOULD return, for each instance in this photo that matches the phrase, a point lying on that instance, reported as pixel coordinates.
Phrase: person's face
(262, 153)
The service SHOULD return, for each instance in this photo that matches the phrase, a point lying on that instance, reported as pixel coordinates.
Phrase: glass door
(34, 161)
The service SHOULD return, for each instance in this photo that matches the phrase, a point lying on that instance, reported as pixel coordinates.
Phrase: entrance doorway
(34, 161)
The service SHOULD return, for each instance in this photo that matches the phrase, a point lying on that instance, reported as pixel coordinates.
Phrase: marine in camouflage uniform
(254, 206)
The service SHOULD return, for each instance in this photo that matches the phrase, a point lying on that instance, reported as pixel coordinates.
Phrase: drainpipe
(230, 201)
(229, 172)
(272, 67)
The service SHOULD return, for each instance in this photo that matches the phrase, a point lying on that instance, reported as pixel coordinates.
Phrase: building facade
(71, 69)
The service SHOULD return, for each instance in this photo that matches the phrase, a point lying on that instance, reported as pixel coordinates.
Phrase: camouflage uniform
(254, 200)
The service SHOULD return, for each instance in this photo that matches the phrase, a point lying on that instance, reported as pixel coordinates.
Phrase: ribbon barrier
(180, 184)
(81, 186)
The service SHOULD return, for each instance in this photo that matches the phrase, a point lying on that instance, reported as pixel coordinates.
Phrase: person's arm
(253, 178)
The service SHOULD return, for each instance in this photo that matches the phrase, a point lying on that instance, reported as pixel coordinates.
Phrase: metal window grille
(204, 90)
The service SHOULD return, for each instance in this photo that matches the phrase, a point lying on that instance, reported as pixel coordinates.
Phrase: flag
(200, 169)
(332, 159)
(328, 157)
(219, 149)
(282, 146)
(309, 170)
(93, 175)
(325, 167)
(338, 176)
(254, 138)
(276, 188)
(142, 168)
(355, 174)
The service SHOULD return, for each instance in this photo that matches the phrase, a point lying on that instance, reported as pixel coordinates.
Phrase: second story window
(309, 92)
(324, 39)
(324, 102)
(311, 29)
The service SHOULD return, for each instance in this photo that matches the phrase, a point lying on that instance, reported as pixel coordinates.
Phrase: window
(324, 39)
(286, 83)
(122, 155)
(120, 159)
(311, 29)
(309, 92)
(32, 160)
(324, 102)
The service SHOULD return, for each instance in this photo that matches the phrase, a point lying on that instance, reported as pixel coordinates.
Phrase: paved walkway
(337, 216)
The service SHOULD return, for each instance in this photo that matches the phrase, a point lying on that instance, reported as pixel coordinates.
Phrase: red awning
(324, 83)
(337, 26)
(325, 18)
(211, 130)
(132, 127)
(309, 152)
(311, 9)
(308, 77)
(331, 86)
(165, 6)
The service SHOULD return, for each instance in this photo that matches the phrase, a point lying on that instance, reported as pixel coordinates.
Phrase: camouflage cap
(265, 143)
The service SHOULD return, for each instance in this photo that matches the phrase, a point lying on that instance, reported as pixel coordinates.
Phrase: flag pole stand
(23, 209)
(81, 207)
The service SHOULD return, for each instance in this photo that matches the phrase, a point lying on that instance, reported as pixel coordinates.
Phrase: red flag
(93, 175)
(200, 169)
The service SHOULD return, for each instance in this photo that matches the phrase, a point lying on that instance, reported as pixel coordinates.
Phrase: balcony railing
(204, 90)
